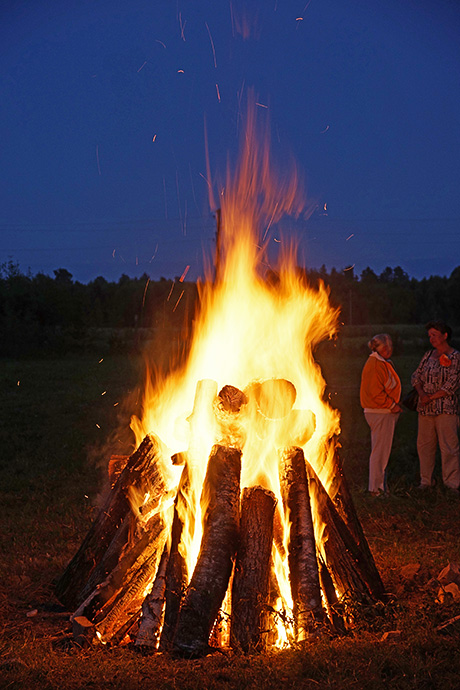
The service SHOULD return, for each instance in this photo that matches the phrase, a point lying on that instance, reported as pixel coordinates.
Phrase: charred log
(141, 473)
(118, 600)
(347, 564)
(209, 582)
(176, 570)
(303, 565)
(249, 624)
(152, 608)
(345, 506)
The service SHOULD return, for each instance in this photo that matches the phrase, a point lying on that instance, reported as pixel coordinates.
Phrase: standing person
(436, 380)
(380, 393)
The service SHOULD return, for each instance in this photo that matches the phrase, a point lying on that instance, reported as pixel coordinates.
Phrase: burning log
(346, 562)
(345, 506)
(249, 622)
(141, 473)
(303, 565)
(152, 608)
(117, 601)
(176, 570)
(206, 591)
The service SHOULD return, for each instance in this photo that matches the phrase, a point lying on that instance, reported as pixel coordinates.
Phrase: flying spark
(350, 236)
(218, 92)
(161, 43)
(180, 297)
(212, 45)
(325, 130)
(182, 26)
(154, 137)
(182, 278)
(142, 66)
(261, 105)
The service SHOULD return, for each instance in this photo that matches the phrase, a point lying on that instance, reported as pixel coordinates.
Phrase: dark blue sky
(103, 111)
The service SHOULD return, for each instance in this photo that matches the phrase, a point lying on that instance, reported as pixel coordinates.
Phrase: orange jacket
(380, 384)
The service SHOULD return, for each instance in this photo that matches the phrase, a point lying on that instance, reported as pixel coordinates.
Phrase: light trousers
(382, 426)
(442, 429)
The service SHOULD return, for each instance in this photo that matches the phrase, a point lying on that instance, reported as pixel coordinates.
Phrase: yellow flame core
(251, 329)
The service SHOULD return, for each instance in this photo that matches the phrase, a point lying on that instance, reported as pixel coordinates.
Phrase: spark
(97, 158)
(206, 180)
(349, 268)
(299, 19)
(270, 221)
(101, 360)
(142, 66)
(103, 392)
(350, 236)
(154, 254)
(115, 404)
(98, 426)
(161, 43)
(218, 92)
(182, 278)
(180, 71)
(170, 292)
(86, 496)
(19, 383)
(182, 27)
(261, 105)
(212, 44)
(154, 137)
(180, 297)
(113, 253)
(137, 261)
(275, 240)
(145, 292)
(325, 130)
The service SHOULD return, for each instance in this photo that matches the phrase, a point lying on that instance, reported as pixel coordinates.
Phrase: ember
(231, 524)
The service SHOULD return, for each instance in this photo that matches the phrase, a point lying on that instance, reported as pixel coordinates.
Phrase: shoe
(379, 494)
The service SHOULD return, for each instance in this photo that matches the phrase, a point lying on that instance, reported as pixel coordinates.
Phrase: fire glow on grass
(250, 329)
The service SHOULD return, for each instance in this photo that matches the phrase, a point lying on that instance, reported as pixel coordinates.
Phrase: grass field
(61, 419)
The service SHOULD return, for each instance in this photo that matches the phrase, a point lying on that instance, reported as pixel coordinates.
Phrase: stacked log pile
(129, 579)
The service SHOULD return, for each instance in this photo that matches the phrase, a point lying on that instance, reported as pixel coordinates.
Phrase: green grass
(57, 430)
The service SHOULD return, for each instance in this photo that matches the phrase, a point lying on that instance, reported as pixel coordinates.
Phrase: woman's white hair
(379, 340)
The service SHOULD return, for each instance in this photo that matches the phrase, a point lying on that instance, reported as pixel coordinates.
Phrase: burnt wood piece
(346, 562)
(334, 608)
(345, 506)
(176, 569)
(148, 634)
(303, 564)
(118, 600)
(209, 582)
(249, 622)
(141, 472)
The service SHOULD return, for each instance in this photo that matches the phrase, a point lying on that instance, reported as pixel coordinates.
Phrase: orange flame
(256, 331)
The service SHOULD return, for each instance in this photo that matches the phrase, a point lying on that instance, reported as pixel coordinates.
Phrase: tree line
(42, 313)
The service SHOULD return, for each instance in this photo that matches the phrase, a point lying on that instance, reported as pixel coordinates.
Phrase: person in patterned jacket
(437, 379)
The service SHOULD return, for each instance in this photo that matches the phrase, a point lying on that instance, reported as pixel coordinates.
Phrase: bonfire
(231, 524)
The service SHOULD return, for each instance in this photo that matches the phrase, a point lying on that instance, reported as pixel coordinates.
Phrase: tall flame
(256, 331)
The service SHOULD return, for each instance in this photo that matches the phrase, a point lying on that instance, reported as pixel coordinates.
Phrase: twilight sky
(104, 105)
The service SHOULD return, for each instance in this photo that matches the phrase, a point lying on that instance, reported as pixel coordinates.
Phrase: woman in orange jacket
(380, 393)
